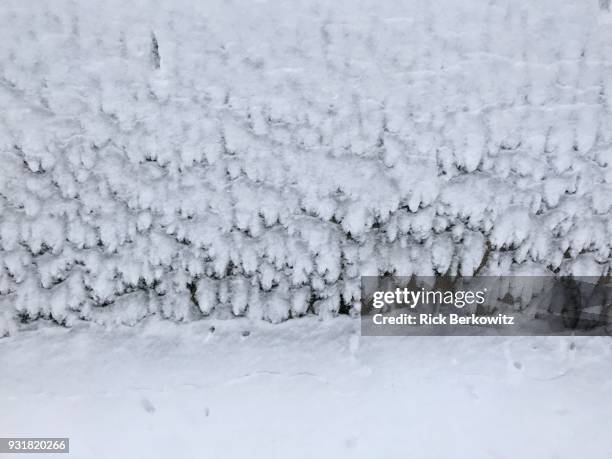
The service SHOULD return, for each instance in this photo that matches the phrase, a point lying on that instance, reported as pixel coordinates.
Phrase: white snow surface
(305, 389)
(251, 160)
(186, 158)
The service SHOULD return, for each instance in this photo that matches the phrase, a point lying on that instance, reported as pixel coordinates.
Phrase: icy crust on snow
(256, 158)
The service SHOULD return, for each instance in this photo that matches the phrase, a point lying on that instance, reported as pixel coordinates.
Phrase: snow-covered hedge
(255, 158)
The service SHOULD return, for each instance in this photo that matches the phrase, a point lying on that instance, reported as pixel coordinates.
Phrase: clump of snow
(255, 158)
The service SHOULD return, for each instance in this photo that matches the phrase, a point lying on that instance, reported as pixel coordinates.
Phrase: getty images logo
(411, 298)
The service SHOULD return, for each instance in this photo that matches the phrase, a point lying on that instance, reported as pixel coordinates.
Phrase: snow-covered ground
(200, 161)
(305, 389)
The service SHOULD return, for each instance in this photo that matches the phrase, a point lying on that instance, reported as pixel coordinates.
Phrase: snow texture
(304, 389)
(256, 157)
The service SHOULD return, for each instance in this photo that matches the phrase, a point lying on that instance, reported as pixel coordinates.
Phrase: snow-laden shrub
(247, 158)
